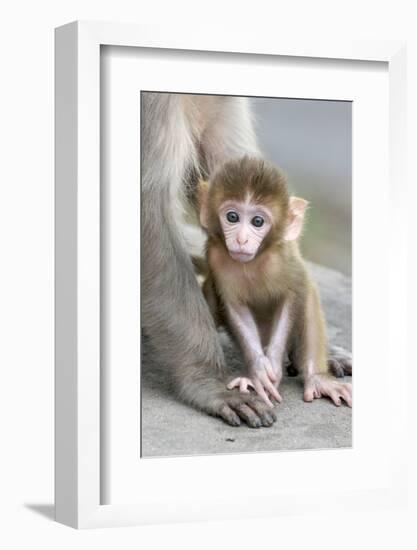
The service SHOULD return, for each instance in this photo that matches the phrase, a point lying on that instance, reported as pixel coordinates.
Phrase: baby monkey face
(244, 226)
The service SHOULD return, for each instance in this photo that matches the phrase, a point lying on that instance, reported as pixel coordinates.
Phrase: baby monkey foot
(322, 385)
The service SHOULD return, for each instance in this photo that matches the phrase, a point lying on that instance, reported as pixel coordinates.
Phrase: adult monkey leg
(229, 133)
(175, 316)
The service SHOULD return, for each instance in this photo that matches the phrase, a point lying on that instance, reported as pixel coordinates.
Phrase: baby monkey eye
(258, 221)
(232, 217)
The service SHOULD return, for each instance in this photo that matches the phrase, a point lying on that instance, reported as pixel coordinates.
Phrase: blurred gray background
(311, 140)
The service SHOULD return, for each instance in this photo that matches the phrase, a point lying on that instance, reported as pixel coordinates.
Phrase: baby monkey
(258, 286)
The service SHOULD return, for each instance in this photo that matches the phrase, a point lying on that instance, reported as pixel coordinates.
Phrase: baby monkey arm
(278, 341)
(261, 375)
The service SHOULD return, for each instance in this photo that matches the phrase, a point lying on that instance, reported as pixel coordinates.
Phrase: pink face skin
(244, 225)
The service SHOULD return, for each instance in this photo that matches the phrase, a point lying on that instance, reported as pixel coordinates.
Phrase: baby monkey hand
(262, 379)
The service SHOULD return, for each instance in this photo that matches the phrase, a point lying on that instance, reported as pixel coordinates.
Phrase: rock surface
(172, 428)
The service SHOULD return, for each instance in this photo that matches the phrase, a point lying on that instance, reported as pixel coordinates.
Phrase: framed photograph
(171, 404)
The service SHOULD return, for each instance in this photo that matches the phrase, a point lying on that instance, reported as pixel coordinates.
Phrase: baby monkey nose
(242, 239)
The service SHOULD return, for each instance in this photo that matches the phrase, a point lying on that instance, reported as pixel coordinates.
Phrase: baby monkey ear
(296, 211)
(202, 200)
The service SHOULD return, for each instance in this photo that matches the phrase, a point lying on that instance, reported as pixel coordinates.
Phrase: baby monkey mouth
(240, 256)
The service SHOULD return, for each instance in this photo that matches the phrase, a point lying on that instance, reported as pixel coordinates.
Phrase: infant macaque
(258, 286)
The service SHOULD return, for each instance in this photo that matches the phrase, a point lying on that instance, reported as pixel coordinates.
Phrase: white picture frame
(77, 499)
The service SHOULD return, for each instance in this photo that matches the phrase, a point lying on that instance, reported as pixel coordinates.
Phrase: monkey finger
(269, 369)
(274, 401)
(244, 384)
(270, 388)
(271, 373)
(262, 394)
(273, 392)
(234, 383)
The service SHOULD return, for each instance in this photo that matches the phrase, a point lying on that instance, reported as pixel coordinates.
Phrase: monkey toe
(229, 416)
(343, 359)
(267, 420)
(309, 394)
(248, 415)
(347, 366)
(255, 424)
(266, 415)
(247, 408)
